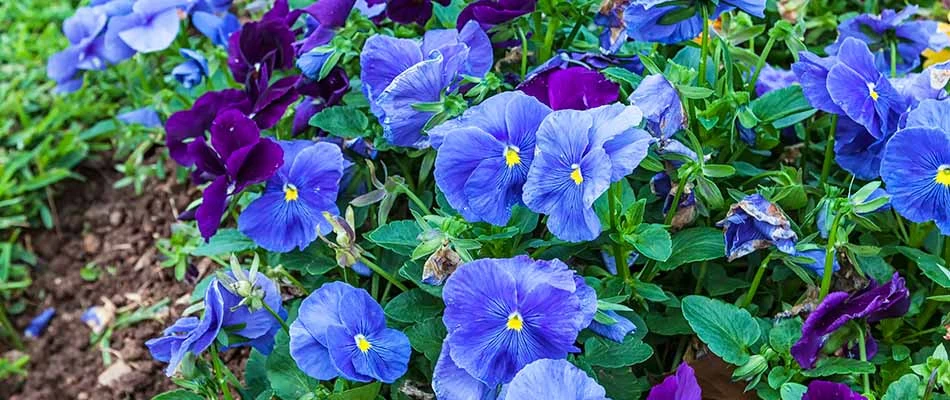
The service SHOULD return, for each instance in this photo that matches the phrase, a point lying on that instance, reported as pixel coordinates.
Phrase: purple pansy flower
(331, 14)
(152, 26)
(680, 386)
(341, 331)
(187, 125)
(319, 95)
(824, 390)
(226, 306)
(289, 214)
(910, 37)
(579, 153)
(270, 101)
(875, 303)
(398, 74)
(755, 223)
(553, 380)
(489, 13)
(261, 47)
(85, 52)
(236, 157)
(502, 314)
(190, 73)
(485, 154)
(567, 82)
(218, 28)
(916, 165)
(411, 11)
(145, 116)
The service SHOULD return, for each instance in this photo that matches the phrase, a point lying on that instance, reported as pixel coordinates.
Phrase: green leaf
(609, 354)
(621, 384)
(426, 337)
(904, 388)
(729, 331)
(718, 170)
(931, 265)
(179, 394)
(781, 103)
(412, 270)
(226, 241)
(413, 306)
(652, 241)
(343, 121)
(255, 374)
(401, 237)
(695, 244)
(310, 261)
(365, 392)
(784, 334)
(650, 291)
(793, 391)
(287, 381)
(839, 365)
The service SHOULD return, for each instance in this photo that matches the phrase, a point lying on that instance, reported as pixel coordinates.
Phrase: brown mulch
(113, 228)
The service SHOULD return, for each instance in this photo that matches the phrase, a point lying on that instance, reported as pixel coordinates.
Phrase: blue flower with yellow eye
(341, 331)
(916, 165)
(289, 214)
(578, 155)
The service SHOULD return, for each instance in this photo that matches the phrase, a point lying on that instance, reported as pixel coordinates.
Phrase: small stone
(115, 218)
(114, 373)
(91, 243)
(82, 396)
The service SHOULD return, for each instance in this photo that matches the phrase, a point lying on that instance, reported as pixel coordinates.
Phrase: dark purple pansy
(268, 42)
(318, 95)
(824, 390)
(875, 303)
(268, 105)
(755, 223)
(184, 126)
(411, 11)
(489, 13)
(566, 83)
(331, 14)
(236, 157)
(679, 386)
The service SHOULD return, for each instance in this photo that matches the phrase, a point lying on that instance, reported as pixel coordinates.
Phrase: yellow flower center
(515, 322)
(943, 175)
(512, 157)
(290, 192)
(363, 344)
(576, 174)
(873, 92)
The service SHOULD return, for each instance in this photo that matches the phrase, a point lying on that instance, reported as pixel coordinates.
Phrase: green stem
(295, 282)
(573, 35)
(384, 274)
(930, 308)
(830, 256)
(700, 278)
(704, 52)
(756, 281)
(761, 63)
(218, 366)
(862, 348)
(615, 206)
(11, 331)
(283, 324)
(893, 59)
(415, 199)
(524, 53)
(546, 50)
(829, 152)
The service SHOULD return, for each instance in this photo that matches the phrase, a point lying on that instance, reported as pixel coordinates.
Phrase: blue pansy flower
(916, 165)
(772, 78)
(233, 302)
(398, 74)
(145, 116)
(616, 331)
(218, 28)
(663, 112)
(152, 26)
(85, 52)
(289, 214)
(674, 22)
(817, 255)
(341, 331)
(190, 73)
(312, 62)
(578, 155)
(910, 37)
(857, 150)
(39, 323)
(484, 155)
(502, 314)
(553, 380)
(755, 223)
